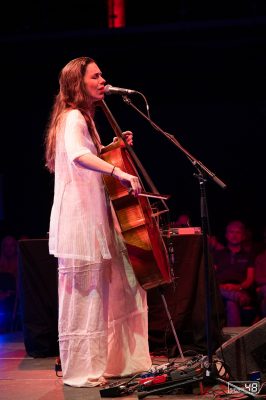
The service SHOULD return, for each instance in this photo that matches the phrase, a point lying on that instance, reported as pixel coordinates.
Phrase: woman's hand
(131, 182)
(128, 136)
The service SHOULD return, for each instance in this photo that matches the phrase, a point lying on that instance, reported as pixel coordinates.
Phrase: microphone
(109, 89)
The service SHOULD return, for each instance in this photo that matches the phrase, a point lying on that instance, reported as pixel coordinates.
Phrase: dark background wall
(202, 69)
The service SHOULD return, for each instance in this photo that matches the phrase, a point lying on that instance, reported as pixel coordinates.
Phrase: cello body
(141, 234)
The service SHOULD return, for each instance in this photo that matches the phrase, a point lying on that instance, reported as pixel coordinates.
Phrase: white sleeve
(77, 139)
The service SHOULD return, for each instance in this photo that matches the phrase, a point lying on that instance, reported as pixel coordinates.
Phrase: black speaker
(38, 298)
(246, 352)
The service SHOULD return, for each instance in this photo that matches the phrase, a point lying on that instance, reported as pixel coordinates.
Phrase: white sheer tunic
(103, 327)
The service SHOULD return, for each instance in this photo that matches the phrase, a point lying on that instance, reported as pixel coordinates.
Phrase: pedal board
(174, 377)
(187, 373)
(163, 380)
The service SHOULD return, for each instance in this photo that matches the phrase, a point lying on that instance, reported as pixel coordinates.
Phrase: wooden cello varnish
(141, 234)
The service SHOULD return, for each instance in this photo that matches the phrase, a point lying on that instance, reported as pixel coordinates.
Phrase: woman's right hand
(131, 182)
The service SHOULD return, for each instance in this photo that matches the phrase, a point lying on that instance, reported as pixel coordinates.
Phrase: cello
(146, 249)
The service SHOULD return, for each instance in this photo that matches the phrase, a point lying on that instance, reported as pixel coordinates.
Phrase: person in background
(103, 318)
(234, 270)
(260, 282)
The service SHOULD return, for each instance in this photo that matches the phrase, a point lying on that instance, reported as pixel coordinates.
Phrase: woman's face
(94, 82)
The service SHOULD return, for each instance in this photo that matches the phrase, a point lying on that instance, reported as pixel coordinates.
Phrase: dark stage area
(202, 74)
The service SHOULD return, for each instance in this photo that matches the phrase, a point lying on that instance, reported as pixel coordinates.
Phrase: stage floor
(26, 378)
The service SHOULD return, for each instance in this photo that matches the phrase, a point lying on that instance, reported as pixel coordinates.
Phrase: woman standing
(103, 328)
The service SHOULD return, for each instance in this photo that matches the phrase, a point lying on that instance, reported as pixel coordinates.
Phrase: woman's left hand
(128, 136)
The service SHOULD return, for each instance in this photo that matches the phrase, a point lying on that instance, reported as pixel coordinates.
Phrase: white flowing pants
(103, 321)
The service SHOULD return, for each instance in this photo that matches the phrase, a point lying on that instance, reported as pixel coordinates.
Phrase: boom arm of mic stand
(194, 161)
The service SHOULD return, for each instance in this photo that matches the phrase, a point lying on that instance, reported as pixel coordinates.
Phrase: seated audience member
(234, 270)
(260, 282)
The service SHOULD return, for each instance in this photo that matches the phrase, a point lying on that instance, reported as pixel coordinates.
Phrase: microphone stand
(202, 174)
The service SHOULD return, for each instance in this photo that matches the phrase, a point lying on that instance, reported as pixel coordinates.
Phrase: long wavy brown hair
(72, 95)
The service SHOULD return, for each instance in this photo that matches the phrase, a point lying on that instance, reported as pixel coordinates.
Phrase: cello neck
(119, 134)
